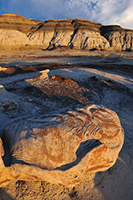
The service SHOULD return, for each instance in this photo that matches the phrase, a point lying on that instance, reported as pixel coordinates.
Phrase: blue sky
(104, 11)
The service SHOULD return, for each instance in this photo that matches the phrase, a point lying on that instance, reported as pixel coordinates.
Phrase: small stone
(8, 105)
(30, 100)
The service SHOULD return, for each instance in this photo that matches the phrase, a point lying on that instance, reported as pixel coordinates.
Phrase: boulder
(60, 148)
(7, 102)
(8, 105)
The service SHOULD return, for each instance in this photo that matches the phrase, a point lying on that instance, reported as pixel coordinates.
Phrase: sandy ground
(67, 56)
(110, 76)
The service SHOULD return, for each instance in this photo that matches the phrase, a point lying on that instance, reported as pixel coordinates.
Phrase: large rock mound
(61, 148)
(120, 39)
(17, 32)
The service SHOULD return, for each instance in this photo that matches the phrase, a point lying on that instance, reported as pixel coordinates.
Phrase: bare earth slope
(17, 32)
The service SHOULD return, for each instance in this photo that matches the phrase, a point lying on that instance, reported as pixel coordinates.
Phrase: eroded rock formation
(60, 148)
(120, 39)
(59, 86)
(17, 32)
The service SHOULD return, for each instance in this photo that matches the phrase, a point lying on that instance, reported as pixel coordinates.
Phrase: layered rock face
(16, 22)
(120, 39)
(13, 31)
(61, 148)
(17, 32)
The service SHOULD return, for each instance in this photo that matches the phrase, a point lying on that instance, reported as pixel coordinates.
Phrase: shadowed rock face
(17, 32)
(119, 38)
(114, 28)
(60, 148)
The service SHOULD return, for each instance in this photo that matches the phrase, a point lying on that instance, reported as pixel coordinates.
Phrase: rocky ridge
(17, 32)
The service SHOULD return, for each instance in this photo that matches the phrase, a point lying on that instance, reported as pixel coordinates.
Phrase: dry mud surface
(106, 79)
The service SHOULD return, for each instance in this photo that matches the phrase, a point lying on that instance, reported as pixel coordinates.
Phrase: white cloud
(126, 18)
(104, 11)
(117, 12)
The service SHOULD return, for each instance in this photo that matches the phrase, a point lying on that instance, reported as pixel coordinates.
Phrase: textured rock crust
(61, 148)
(59, 86)
(17, 32)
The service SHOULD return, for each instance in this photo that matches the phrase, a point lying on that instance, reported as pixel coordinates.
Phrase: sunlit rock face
(17, 32)
(12, 21)
(13, 31)
(60, 148)
(59, 86)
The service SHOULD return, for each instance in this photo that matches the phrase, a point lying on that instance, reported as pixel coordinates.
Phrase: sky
(107, 12)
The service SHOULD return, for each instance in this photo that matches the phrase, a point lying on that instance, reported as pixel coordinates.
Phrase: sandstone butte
(17, 32)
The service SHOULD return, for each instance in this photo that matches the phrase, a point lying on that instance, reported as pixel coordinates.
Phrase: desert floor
(109, 75)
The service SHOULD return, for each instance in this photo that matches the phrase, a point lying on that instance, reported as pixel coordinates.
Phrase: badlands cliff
(17, 32)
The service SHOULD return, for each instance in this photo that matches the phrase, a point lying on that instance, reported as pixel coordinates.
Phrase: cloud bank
(104, 11)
